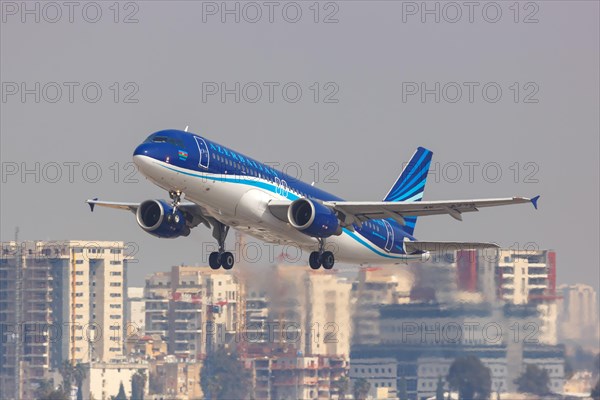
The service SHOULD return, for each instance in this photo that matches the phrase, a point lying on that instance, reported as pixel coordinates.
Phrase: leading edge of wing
(112, 204)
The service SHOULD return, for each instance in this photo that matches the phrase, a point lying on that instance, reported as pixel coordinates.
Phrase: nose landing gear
(324, 258)
(175, 196)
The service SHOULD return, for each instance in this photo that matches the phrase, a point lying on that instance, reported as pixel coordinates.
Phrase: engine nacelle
(313, 219)
(156, 217)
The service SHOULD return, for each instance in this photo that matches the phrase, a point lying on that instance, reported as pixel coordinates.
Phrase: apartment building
(58, 301)
(192, 308)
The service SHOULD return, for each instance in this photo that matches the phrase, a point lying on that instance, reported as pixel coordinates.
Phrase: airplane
(223, 188)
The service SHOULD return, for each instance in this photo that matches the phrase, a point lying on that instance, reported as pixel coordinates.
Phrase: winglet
(92, 204)
(534, 201)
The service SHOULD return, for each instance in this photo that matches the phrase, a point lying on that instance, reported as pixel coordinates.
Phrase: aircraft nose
(145, 149)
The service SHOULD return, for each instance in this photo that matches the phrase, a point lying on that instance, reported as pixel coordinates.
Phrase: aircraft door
(390, 236)
(203, 150)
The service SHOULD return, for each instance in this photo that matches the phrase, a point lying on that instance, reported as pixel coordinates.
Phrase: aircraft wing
(194, 210)
(113, 204)
(360, 211)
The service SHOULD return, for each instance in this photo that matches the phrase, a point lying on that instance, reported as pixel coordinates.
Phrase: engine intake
(157, 218)
(313, 219)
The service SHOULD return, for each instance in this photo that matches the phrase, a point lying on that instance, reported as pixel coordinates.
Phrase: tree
(121, 395)
(402, 389)
(342, 385)
(439, 389)
(361, 388)
(223, 376)
(73, 374)
(471, 378)
(47, 391)
(67, 371)
(138, 383)
(79, 375)
(534, 380)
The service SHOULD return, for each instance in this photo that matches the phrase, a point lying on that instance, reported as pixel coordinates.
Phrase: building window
(115, 284)
(115, 316)
(115, 306)
(79, 262)
(115, 295)
(115, 273)
(78, 272)
(115, 263)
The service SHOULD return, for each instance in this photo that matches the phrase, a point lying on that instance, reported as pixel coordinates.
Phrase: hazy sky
(517, 90)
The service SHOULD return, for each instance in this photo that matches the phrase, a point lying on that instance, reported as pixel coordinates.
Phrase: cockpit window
(157, 138)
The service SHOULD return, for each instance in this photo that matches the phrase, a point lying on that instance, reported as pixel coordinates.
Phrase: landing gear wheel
(220, 258)
(213, 260)
(327, 259)
(314, 260)
(227, 260)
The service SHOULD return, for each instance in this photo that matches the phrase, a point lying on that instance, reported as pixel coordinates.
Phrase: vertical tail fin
(410, 185)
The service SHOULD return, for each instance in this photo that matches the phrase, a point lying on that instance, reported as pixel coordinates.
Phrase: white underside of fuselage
(241, 202)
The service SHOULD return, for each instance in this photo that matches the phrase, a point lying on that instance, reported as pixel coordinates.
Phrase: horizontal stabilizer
(438, 247)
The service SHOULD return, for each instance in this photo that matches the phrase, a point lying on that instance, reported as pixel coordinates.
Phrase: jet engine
(157, 218)
(313, 218)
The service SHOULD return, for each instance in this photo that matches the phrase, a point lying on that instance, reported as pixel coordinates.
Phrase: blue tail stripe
(407, 172)
(409, 193)
(415, 166)
(403, 188)
(410, 185)
(414, 184)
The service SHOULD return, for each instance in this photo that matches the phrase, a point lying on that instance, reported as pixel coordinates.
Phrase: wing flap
(443, 247)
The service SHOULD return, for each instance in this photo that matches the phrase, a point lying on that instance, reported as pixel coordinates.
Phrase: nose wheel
(221, 258)
(321, 258)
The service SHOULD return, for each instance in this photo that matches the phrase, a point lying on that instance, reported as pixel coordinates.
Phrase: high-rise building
(58, 301)
(135, 312)
(515, 277)
(293, 376)
(307, 309)
(193, 308)
(578, 313)
(375, 286)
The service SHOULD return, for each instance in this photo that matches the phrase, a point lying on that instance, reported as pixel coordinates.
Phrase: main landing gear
(220, 258)
(324, 258)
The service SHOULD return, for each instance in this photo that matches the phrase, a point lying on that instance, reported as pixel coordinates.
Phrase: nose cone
(145, 154)
(145, 149)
